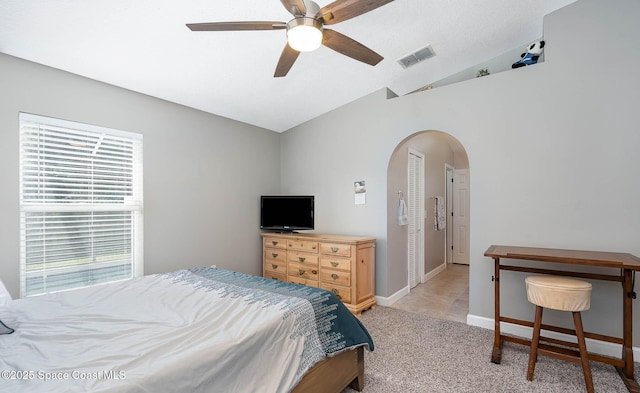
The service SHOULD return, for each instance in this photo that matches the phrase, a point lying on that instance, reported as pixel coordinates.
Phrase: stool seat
(559, 293)
(564, 294)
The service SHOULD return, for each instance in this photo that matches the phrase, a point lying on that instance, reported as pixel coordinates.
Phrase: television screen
(286, 212)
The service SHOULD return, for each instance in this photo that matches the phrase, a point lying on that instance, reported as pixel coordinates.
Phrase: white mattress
(152, 334)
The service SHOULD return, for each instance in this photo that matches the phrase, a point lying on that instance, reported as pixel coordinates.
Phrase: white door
(415, 209)
(461, 216)
(448, 245)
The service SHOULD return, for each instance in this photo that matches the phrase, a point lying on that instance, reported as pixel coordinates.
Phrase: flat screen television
(286, 213)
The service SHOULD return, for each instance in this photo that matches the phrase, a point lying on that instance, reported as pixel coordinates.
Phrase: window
(80, 205)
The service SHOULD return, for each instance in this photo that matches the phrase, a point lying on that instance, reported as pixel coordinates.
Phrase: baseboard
(387, 301)
(595, 346)
(434, 272)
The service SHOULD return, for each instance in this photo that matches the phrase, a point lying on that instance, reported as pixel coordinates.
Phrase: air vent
(417, 56)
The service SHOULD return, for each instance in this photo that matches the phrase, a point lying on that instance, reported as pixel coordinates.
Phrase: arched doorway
(443, 288)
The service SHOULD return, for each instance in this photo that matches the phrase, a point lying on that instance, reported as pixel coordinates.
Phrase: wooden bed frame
(335, 374)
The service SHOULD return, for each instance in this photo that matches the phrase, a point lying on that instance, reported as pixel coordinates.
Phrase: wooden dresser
(344, 265)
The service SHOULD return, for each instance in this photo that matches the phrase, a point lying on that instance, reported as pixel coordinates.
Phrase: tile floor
(444, 296)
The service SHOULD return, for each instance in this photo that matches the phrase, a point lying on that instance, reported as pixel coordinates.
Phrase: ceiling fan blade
(233, 26)
(341, 10)
(295, 7)
(287, 58)
(349, 47)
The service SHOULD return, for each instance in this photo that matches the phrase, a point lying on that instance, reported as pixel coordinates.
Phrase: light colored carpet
(418, 353)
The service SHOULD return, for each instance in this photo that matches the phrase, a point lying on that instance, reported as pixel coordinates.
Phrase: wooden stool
(565, 294)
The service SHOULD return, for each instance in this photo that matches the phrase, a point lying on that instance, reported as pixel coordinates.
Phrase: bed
(196, 330)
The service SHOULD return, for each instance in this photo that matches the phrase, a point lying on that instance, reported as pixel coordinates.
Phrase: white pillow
(6, 310)
(5, 296)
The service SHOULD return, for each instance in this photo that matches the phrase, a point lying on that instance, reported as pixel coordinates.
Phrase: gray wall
(552, 148)
(203, 174)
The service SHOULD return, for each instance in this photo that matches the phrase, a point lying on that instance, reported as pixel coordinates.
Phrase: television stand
(344, 265)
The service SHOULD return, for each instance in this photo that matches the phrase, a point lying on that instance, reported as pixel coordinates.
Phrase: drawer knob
(301, 271)
(313, 247)
(335, 263)
(314, 272)
(334, 249)
(335, 276)
(337, 293)
(302, 259)
(273, 265)
(274, 255)
(274, 243)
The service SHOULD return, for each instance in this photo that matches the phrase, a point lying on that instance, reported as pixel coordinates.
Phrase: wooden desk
(628, 265)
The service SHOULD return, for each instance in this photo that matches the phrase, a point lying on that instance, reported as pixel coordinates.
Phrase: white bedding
(152, 335)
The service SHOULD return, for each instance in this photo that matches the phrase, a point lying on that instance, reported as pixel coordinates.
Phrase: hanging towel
(440, 214)
(403, 218)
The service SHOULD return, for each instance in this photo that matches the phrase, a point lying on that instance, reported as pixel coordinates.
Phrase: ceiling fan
(306, 31)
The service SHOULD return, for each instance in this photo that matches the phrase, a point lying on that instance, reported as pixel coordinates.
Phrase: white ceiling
(144, 46)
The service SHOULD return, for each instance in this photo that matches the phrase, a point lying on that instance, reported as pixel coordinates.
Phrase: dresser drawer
(302, 270)
(335, 263)
(343, 250)
(276, 267)
(304, 258)
(302, 281)
(275, 242)
(275, 276)
(275, 254)
(302, 245)
(338, 277)
(343, 293)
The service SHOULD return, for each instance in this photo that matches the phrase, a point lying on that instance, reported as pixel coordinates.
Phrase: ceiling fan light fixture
(304, 34)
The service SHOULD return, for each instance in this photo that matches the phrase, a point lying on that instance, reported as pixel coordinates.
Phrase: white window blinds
(80, 205)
